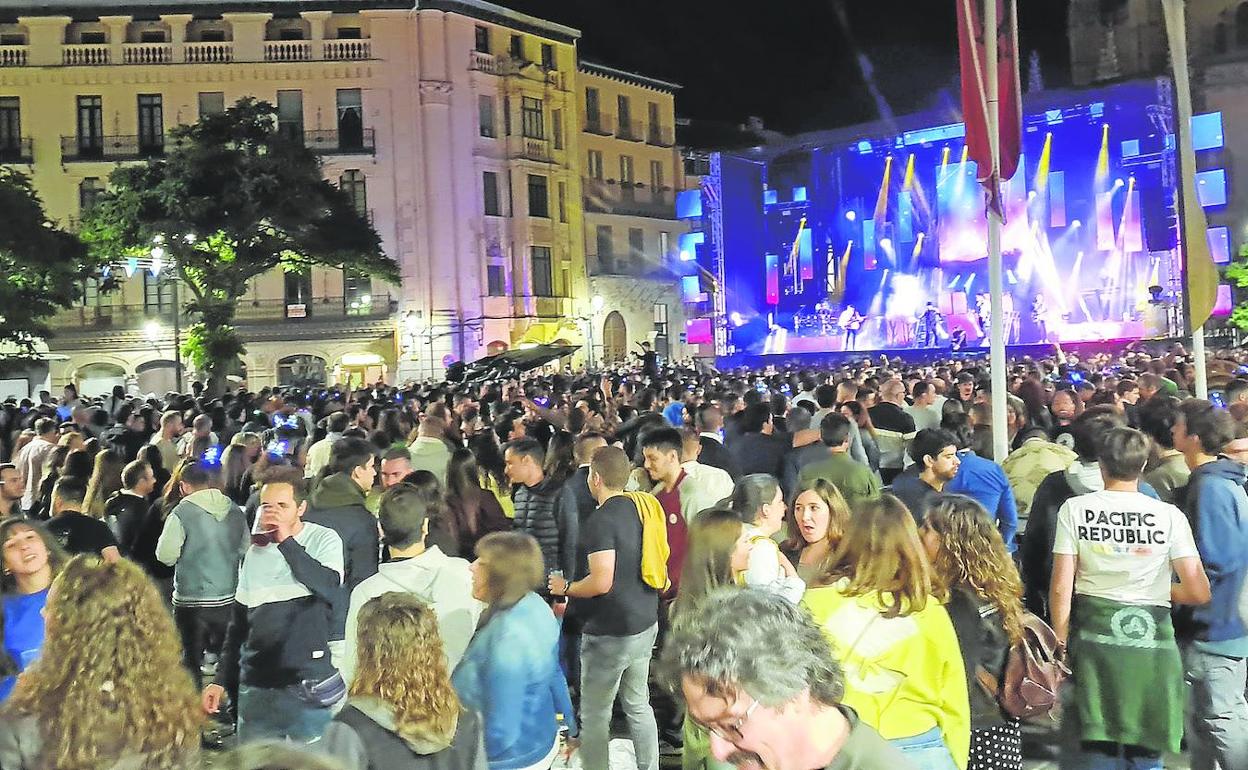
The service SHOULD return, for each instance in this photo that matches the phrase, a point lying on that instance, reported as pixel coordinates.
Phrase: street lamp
(596, 304)
(153, 331)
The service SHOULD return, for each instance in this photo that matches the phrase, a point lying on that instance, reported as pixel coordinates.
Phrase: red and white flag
(973, 56)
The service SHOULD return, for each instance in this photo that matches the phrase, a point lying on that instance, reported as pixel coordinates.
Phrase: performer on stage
(850, 323)
(930, 321)
(983, 313)
(1039, 316)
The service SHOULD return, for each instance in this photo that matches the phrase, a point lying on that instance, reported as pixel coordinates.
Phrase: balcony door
(10, 128)
(151, 124)
(350, 119)
(90, 126)
(290, 115)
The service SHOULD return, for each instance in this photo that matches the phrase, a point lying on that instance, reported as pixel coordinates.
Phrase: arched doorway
(301, 371)
(157, 377)
(614, 339)
(99, 379)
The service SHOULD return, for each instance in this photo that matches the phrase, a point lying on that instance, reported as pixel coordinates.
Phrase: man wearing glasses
(759, 676)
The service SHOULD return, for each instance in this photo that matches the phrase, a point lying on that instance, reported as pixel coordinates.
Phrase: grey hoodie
(204, 540)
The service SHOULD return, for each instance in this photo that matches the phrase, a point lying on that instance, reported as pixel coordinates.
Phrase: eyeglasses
(733, 731)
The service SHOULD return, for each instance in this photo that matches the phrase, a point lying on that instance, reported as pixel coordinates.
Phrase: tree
(1237, 272)
(232, 200)
(43, 268)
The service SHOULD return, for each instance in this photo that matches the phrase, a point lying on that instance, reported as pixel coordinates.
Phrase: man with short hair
(428, 450)
(982, 480)
(758, 449)
(854, 480)
(11, 490)
(935, 452)
(440, 581)
(166, 438)
(768, 691)
(709, 421)
(204, 538)
(75, 532)
(396, 463)
(923, 411)
(201, 428)
(1168, 470)
(1118, 551)
(318, 454)
(277, 651)
(1213, 637)
(620, 615)
(537, 506)
(31, 458)
(129, 435)
(126, 511)
(679, 495)
(338, 503)
(715, 482)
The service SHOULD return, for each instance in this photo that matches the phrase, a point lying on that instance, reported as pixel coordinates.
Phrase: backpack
(1031, 684)
(654, 548)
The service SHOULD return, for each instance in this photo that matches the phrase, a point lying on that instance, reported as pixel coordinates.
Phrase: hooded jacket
(338, 503)
(1080, 478)
(364, 736)
(204, 539)
(1217, 507)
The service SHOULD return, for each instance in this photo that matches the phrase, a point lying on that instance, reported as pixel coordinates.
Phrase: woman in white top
(757, 499)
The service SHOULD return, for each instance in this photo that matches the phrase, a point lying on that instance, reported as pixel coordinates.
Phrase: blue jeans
(927, 751)
(270, 714)
(610, 666)
(1127, 758)
(1218, 724)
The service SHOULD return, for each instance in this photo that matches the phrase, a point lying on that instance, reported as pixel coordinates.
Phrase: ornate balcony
(483, 62)
(287, 50)
(14, 55)
(110, 148)
(209, 53)
(85, 54)
(347, 50)
(147, 53)
(331, 142)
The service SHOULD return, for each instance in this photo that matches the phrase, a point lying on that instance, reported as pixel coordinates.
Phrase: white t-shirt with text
(1124, 542)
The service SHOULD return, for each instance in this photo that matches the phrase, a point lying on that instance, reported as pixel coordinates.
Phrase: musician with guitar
(850, 322)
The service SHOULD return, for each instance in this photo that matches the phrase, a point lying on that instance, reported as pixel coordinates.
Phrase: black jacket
(539, 514)
(985, 645)
(758, 453)
(716, 455)
(338, 503)
(127, 442)
(125, 515)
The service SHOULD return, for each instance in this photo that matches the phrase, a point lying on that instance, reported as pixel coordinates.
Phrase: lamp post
(157, 265)
(595, 307)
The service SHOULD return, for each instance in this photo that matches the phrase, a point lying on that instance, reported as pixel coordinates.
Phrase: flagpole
(996, 356)
(1187, 159)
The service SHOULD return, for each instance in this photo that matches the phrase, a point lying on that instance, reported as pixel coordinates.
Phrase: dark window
(603, 238)
(290, 115)
(532, 119)
(10, 127)
(542, 280)
(548, 56)
(357, 292)
(507, 116)
(485, 115)
(352, 183)
(152, 36)
(92, 38)
(539, 197)
(212, 36)
(90, 126)
(12, 38)
(298, 292)
(636, 246)
(495, 280)
(563, 202)
(655, 129)
(290, 33)
(350, 119)
(482, 43)
(556, 128)
(350, 33)
(593, 109)
(211, 103)
(517, 47)
(595, 164)
(151, 124)
(89, 191)
(1241, 25)
(489, 184)
(624, 111)
(157, 293)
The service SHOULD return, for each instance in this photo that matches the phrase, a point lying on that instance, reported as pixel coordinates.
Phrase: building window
(507, 116)
(352, 183)
(636, 246)
(511, 196)
(151, 124)
(624, 114)
(593, 109)
(90, 126)
(656, 176)
(595, 165)
(152, 36)
(485, 115)
(357, 292)
(539, 203)
(654, 128)
(290, 33)
(603, 241)
(92, 38)
(89, 191)
(563, 202)
(212, 36)
(660, 319)
(542, 275)
(12, 38)
(664, 244)
(298, 294)
(350, 119)
(532, 123)
(556, 128)
(548, 56)
(211, 103)
(495, 281)
(10, 128)
(290, 115)
(482, 41)
(489, 185)
(91, 295)
(350, 33)
(157, 294)
(626, 177)
(517, 47)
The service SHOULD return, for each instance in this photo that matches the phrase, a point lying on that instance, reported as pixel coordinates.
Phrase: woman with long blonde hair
(879, 605)
(105, 481)
(985, 604)
(402, 710)
(109, 688)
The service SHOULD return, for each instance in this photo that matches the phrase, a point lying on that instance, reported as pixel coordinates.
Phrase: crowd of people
(791, 568)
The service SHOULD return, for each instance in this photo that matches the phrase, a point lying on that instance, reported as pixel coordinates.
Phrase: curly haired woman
(402, 710)
(109, 686)
(986, 607)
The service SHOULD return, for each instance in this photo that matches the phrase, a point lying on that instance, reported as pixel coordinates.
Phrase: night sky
(793, 62)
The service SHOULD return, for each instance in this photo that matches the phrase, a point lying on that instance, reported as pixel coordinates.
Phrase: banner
(975, 107)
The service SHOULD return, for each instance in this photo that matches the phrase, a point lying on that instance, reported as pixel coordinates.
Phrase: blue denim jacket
(510, 675)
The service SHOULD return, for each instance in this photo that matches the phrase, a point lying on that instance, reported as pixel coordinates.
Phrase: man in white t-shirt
(1116, 549)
